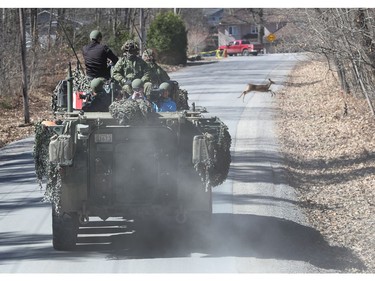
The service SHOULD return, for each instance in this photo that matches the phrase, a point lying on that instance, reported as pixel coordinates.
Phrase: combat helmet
(97, 84)
(130, 46)
(137, 83)
(164, 86)
(95, 35)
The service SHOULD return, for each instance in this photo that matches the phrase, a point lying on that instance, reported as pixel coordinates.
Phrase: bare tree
(344, 36)
(196, 39)
(23, 66)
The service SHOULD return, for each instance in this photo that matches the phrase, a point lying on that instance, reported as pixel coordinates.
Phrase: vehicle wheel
(64, 230)
(245, 52)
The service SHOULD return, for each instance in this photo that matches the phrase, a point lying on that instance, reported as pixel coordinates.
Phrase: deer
(258, 88)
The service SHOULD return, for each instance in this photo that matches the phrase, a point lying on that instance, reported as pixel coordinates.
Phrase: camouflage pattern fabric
(130, 112)
(42, 138)
(129, 68)
(157, 74)
(80, 82)
(43, 168)
(215, 170)
(182, 100)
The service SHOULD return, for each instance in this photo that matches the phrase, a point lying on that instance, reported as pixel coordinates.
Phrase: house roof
(55, 17)
(208, 12)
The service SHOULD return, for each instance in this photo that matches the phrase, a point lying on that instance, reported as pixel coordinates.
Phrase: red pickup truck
(243, 47)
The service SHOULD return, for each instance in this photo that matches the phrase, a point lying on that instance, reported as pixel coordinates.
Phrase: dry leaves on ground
(329, 143)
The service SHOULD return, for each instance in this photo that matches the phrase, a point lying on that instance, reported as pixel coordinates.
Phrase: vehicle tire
(64, 230)
(245, 52)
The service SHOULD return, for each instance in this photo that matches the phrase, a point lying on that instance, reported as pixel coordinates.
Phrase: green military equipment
(129, 163)
(137, 83)
(164, 86)
(97, 84)
(95, 35)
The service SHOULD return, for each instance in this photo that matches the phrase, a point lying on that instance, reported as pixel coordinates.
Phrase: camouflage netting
(43, 168)
(40, 153)
(215, 170)
(80, 82)
(182, 100)
(129, 112)
(53, 188)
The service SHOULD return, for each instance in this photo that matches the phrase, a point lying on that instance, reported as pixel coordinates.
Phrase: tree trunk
(363, 88)
(49, 29)
(23, 67)
(115, 22)
(34, 27)
(261, 26)
(142, 30)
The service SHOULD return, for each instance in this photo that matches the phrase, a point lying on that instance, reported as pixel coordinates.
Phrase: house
(46, 17)
(48, 26)
(240, 24)
(213, 16)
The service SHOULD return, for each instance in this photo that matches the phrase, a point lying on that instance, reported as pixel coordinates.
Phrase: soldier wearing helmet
(165, 103)
(130, 67)
(97, 57)
(157, 74)
(137, 86)
(99, 100)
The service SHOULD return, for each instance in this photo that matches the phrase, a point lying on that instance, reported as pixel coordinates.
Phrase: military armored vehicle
(158, 167)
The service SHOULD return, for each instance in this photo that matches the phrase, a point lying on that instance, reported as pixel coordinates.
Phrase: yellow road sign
(271, 37)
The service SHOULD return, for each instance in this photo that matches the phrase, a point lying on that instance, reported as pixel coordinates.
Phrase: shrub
(168, 36)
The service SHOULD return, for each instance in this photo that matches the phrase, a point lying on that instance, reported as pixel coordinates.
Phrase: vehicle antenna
(71, 45)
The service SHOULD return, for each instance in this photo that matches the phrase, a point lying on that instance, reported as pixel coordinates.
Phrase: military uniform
(130, 67)
(157, 74)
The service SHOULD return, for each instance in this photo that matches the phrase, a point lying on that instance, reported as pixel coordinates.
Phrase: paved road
(257, 224)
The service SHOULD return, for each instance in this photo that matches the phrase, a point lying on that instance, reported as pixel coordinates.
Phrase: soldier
(157, 74)
(165, 104)
(99, 100)
(130, 67)
(96, 57)
(137, 86)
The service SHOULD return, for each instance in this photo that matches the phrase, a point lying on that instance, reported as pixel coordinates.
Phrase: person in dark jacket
(99, 100)
(96, 57)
